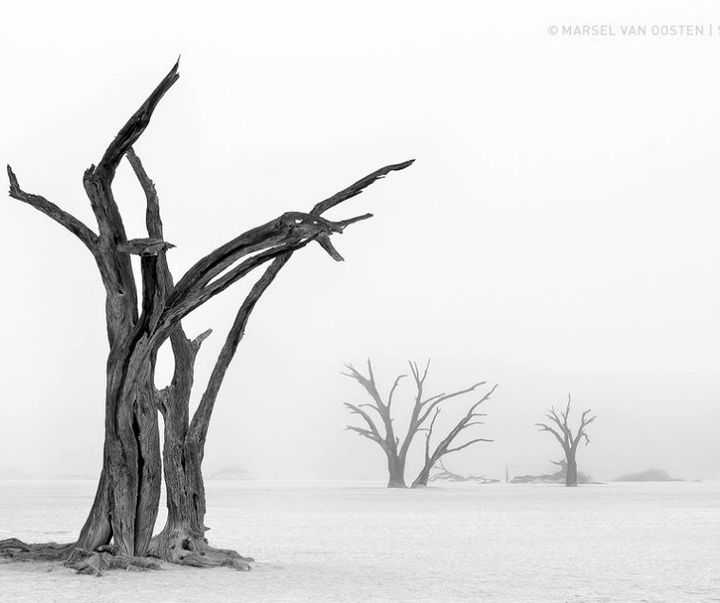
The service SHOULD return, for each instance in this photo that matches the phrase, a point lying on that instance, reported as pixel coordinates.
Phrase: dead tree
(139, 319)
(445, 445)
(383, 433)
(569, 442)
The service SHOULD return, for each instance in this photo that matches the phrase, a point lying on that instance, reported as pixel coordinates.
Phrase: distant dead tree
(569, 442)
(382, 432)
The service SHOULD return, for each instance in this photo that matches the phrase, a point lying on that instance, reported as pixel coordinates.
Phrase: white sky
(558, 232)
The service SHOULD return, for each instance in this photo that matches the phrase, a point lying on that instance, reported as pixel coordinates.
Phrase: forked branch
(561, 429)
(445, 446)
(386, 440)
(75, 226)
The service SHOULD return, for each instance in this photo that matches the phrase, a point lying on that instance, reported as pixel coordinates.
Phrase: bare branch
(201, 419)
(431, 399)
(428, 435)
(357, 188)
(486, 397)
(153, 220)
(425, 372)
(197, 342)
(370, 386)
(75, 226)
(466, 444)
(368, 419)
(286, 234)
(429, 407)
(365, 433)
(475, 423)
(134, 127)
(414, 423)
(392, 390)
(370, 372)
(562, 425)
(544, 427)
(584, 422)
(371, 407)
(325, 242)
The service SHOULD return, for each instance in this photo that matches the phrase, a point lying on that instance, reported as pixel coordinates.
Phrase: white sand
(359, 542)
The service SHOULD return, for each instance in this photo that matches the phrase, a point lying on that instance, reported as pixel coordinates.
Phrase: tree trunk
(97, 530)
(146, 428)
(127, 498)
(396, 471)
(182, 540)
(422, 479)
(571, 475)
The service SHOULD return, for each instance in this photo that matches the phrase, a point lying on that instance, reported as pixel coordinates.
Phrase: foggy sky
(557, 233)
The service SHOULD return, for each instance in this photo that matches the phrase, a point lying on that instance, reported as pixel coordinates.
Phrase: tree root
(98, 562)
(189, 552)
(18, 550)
(178, 546)
(212, 557)
(70, 555)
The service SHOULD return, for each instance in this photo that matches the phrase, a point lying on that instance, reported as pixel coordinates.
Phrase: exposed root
(96, 563)
(82, 561)
(211, 557)
(194, 552)
(18, 550)
(176, 546)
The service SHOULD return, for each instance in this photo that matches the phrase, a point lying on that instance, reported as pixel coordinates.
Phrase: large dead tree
(379, 422)
(140, 318)
(562, 432)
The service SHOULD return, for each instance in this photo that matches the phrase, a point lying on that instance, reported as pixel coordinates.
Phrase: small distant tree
(382, 431)
(561, 430)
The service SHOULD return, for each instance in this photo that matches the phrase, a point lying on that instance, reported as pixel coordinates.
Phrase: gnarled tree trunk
(119, 527)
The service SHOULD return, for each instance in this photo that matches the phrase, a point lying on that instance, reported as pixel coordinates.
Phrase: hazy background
(558, 232)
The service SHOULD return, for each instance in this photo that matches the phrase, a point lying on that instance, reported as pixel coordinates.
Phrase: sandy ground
(360, 542)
